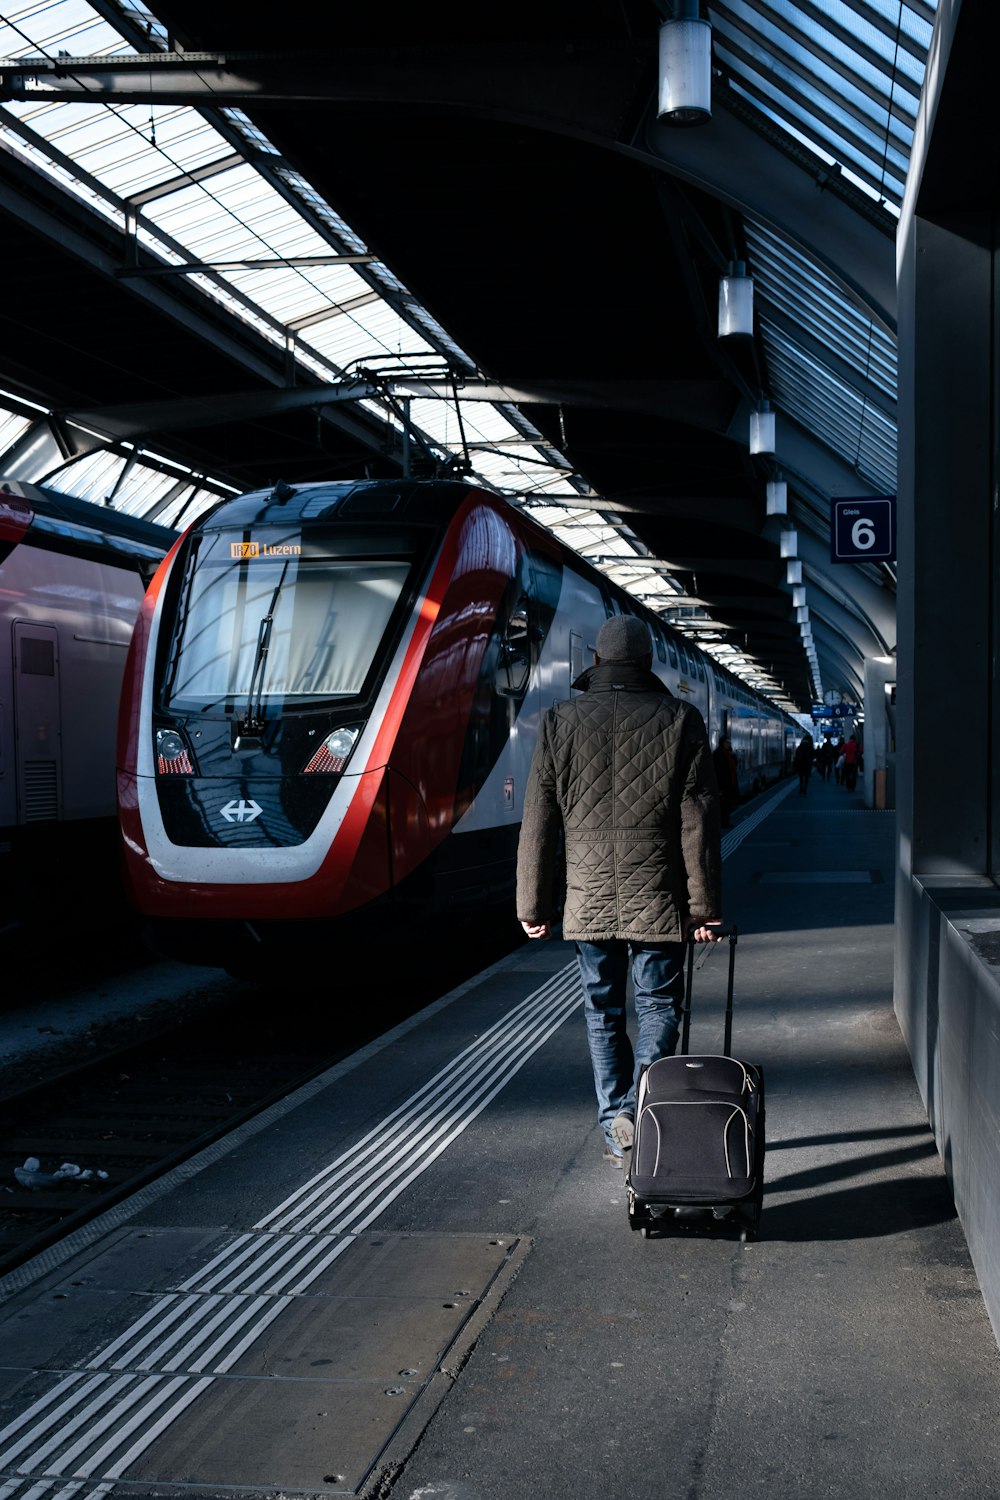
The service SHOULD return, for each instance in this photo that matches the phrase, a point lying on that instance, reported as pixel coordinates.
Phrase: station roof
(427, 240)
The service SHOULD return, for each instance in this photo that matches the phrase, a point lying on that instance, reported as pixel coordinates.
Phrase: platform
(416, 1276)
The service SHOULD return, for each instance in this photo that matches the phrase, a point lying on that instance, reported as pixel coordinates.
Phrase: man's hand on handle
(702, 932)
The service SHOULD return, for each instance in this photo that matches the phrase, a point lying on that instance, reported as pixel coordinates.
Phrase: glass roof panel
(114, 142)
(813, 395)
(65, 26)
(13, 426)
(844, 75)
(789, 281)
(373, 333)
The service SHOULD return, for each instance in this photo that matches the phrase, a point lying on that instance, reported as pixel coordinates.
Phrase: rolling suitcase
(698, 1153)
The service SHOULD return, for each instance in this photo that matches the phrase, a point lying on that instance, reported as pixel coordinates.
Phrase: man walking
(622, 779)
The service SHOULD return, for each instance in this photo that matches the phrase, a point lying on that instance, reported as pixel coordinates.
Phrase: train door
(37, 737)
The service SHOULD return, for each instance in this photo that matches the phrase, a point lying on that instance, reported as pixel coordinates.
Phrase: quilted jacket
(622, 781)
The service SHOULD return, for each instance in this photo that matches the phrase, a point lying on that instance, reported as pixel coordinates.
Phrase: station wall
(947, 961)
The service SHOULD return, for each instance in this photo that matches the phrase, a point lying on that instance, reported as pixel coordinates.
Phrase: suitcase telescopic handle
(731, 934)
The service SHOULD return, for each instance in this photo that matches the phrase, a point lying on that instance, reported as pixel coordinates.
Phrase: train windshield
(281, 616)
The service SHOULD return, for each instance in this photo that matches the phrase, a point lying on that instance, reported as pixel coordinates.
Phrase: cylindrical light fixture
(685, 94)
(789, 544)
(777, 497)
(802, 614)
(799, 595)
(762, 429)
(735, 301)
(793, 570)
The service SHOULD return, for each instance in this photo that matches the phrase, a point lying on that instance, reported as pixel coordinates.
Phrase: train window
(258, 616)
(514, 665)
(37, 657)
(575, 655)
(672, 653)
(661, 654)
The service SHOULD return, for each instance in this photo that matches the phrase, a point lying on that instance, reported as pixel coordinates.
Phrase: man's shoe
(623, 1131)
(611, 1155)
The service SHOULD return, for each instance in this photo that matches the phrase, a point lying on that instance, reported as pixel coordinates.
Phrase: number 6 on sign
(863, 528)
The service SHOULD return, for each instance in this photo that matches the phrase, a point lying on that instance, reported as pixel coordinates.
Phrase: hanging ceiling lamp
(777, 497)
(735, 301)
(793, 571)
(685, 95)
(789, 544)
(762, 429)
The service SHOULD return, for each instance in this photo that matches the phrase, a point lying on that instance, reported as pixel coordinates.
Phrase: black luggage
(698, 1153)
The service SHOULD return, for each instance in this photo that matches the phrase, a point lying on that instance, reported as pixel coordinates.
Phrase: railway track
(128, 1118)
(84, 1138)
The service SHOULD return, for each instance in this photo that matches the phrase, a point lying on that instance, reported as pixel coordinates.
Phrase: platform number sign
(864, 529)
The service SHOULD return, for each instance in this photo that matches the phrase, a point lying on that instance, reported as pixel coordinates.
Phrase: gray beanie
(623, 638)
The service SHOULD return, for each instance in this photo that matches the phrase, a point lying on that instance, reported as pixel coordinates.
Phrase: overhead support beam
(271, 263)
(543, 85)
(678, 402)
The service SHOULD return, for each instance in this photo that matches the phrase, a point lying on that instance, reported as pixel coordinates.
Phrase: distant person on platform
(622, 781)
(825, 757)
(728, 776)
(852, 759)
(802, 762)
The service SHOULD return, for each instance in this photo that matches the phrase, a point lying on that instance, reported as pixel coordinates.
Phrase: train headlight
(335, 751)
(172, 758)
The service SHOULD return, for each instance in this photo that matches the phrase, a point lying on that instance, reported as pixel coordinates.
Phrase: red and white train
(331, 703)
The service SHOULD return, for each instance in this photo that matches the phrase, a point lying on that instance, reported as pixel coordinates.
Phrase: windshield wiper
(253, 723)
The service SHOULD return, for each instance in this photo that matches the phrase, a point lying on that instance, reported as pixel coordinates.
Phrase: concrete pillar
(944, 544)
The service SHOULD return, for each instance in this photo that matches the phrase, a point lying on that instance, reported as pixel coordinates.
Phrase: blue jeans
(658, 985)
